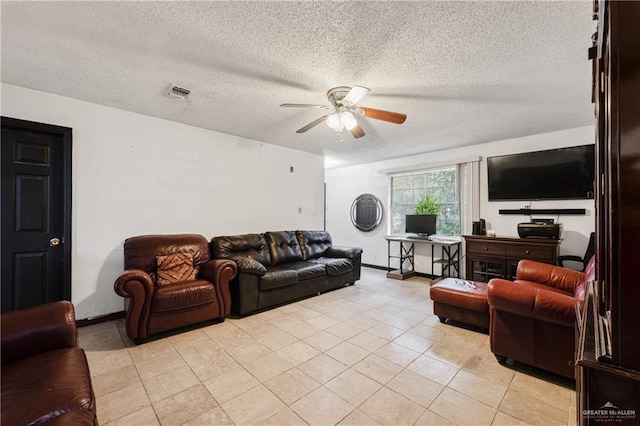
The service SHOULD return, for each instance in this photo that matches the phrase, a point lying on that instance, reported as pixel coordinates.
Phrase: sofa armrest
(248, 265)
(532, 302)
(553, 276)
(508, 296)
(217, 270)
(136, 285)
(220, 272)
(347, 252)
(31, 331)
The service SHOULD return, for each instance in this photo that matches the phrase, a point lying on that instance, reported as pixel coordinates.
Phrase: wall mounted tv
(555, 174)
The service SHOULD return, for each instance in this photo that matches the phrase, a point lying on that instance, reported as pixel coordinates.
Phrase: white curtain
(469, 192)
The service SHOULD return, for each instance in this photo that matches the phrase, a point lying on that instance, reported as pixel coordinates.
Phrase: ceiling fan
(343, 100)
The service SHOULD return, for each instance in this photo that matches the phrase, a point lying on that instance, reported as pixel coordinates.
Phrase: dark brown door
(36, 212)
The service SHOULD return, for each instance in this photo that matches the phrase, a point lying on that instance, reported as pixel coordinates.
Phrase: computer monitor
(421, 224)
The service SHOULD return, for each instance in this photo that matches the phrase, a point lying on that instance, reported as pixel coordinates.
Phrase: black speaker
(483, 227)
(477, 228)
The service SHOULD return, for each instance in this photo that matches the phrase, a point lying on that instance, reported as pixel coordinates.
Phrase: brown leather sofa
(533, 318)
(188, 297)
(279, 267)
(45, 376)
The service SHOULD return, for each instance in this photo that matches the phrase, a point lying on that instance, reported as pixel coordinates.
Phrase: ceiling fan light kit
(334, 122)
(348, 120)
(343, 99)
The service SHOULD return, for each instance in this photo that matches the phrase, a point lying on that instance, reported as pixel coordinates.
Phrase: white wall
(345, 184)
(134, 174)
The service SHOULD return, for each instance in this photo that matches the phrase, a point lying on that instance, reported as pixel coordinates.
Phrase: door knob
(54, 242)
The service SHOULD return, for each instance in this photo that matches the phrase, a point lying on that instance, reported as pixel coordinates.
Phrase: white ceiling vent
(178, 92)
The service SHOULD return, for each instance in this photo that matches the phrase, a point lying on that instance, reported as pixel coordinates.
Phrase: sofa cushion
(335, 266)
(277, 277)
(174, 268)
(44, 386)
(183, 295)
(313, 244)
(253, 246)
(307, 270)
(283, 247)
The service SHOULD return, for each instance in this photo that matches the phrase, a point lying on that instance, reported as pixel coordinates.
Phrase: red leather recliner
(533, 318)
(152, 308)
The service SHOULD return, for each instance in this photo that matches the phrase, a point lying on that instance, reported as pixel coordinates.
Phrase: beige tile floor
(368, 354)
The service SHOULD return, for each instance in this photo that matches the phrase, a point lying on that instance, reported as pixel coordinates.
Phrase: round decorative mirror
(366, 212)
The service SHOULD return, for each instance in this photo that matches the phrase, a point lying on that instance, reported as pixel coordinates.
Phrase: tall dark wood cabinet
(608, 352)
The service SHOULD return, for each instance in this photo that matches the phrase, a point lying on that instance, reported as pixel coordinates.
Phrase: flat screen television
(555, 174)
(421, 224)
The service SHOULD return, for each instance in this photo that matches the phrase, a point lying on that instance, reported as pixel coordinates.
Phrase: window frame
(456, 203)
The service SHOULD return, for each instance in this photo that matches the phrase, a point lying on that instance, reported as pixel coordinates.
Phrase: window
(408, 190)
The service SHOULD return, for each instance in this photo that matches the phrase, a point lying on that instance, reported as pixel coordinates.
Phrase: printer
(540, 228)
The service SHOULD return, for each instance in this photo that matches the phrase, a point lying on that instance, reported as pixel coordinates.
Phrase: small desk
(449, 249)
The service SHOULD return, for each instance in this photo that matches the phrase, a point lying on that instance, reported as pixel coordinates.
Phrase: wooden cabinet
(608, 354)
(498, 257)
(617, 71)
(606, 393)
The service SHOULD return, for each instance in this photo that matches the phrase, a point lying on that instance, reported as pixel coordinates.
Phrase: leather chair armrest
(551, 275)
(31, 331)
(511, 297)
(248, 265)
(217, 270)
(136, 285)
(220, 272)
(347, 252)
(530, 301)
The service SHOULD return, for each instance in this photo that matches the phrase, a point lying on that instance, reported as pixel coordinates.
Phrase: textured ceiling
(463, 72)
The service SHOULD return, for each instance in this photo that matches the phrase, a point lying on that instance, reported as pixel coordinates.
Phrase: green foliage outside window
(428, 205)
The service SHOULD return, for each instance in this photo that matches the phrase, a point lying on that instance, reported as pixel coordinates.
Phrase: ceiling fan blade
(306, 106)
(378, 114)
(355, 95)
(357, 131)
(312, 124)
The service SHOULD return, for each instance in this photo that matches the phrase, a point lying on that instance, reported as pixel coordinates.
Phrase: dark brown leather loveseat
(45, 376)
(533, 318)
(279, 267)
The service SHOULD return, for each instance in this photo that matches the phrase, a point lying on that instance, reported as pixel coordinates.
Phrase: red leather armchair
(533, 318)
(152, 308)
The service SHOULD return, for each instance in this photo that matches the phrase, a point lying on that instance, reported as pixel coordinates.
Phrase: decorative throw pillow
(175, 267)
